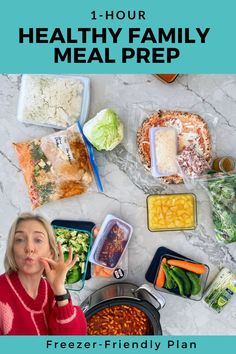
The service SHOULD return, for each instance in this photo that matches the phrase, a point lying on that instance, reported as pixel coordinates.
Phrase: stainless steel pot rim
(141, 304)
(146, 307)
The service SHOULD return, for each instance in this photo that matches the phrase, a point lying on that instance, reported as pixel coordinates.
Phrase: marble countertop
(126, 184)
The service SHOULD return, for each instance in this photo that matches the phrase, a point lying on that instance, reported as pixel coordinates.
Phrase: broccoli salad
(222, 192)
(80, 243)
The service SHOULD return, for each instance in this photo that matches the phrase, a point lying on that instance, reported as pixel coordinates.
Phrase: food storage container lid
(174, 291)
(85, 100)
(105, 251)
(154, 158)
(194, 225)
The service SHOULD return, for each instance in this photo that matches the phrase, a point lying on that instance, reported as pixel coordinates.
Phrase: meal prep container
(167, 78)
(26, 109)
(221, 290)
(144, 298)
(171, 212)
(203, 278)
(224, 164)
(111, 242)
(155, 167)
(119, 273)
(79, 270)
(78, 225)
(151, 272)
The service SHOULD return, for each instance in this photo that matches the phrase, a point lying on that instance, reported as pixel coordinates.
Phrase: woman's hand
(56, 270)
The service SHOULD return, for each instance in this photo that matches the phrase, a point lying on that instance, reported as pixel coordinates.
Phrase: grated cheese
(166, 151)
(48, 100)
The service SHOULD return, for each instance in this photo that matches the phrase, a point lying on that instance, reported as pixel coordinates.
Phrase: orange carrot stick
(160, 280)
(192, 267)
(102, 271)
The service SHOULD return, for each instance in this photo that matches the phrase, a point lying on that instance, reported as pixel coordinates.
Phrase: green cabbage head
(105, 130)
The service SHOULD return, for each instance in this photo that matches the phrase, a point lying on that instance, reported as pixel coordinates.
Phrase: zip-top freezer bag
(221, 189)
(57, 166)
(193, 163)
(55, 101)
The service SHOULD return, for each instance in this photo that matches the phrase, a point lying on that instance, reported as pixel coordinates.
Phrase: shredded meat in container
(192, 164)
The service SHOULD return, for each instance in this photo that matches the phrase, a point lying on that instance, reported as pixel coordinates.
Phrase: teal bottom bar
(118, 344)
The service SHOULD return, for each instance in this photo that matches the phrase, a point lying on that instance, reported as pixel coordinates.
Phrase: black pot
(144, 298)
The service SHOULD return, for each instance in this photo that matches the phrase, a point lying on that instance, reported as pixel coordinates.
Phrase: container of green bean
(181, 276)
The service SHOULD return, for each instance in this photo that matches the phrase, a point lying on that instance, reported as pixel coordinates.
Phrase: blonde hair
(9, 260)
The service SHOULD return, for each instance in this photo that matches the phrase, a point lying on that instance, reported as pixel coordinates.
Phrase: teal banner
(128, 345)
(122, 36)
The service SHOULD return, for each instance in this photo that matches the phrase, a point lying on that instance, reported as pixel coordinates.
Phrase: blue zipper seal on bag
(92, 159)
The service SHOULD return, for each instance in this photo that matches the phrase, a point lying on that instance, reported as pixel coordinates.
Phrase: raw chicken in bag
(57, 166)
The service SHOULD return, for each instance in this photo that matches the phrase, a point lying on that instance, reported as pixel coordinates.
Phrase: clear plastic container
(119, 273)
(111, 242)
(221, 290)
(55, 101)
(167, 78)
(163, 149)
(171, 212)
(175, 290)
(224, 164)
(80, 241)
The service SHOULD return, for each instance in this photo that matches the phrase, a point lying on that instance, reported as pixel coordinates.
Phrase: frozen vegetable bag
(222, 193)
(57, 166)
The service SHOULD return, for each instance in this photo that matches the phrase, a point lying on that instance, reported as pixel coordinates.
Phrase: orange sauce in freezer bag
(166, 77)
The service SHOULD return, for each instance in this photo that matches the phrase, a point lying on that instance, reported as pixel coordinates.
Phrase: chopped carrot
(192, 267)
(160, 280)
(102, 271)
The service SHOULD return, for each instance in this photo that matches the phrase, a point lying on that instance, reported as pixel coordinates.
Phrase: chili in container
(124, 309)
(167, 78)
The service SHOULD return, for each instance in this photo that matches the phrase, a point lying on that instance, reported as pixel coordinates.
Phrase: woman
(31, 304)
